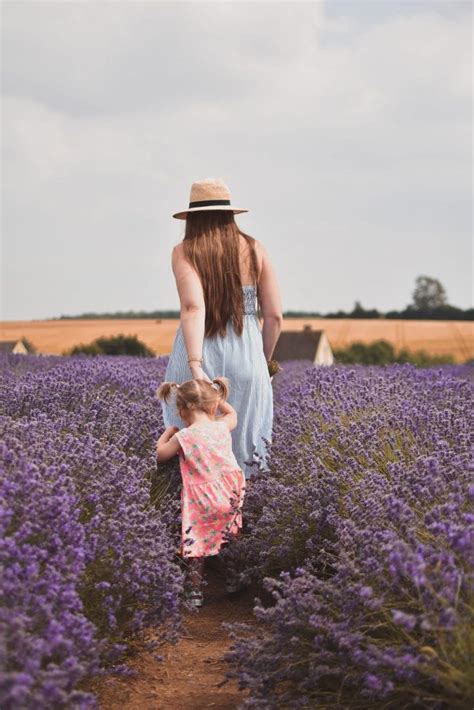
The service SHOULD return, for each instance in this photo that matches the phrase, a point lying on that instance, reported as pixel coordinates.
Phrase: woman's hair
(196, 394)
(211, 245)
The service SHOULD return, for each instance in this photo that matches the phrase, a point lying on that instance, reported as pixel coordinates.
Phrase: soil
(189, 675)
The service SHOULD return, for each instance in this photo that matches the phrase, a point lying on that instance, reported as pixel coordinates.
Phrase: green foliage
(360, 312)
(423, 359)
(445, 312)
(428, 294)
(381, 352)
(429, 303)
(115, 345)
(122, 315)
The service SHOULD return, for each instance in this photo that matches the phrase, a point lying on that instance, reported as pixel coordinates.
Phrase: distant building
(13, 346)
(306, 344)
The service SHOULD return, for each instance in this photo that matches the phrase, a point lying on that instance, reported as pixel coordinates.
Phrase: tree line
(429, 302)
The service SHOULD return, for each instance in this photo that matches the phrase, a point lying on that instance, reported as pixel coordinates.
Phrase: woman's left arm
(192, 308)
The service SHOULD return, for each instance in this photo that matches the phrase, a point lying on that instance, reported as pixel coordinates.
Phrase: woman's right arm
(192, 310)
(270, 304)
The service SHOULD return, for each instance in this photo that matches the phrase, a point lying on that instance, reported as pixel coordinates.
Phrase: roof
(297, 345)
(6, 346)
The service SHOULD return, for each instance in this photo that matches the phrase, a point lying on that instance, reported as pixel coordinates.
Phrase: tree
(428, 295)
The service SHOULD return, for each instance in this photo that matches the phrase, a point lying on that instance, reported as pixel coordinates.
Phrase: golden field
(435, 337)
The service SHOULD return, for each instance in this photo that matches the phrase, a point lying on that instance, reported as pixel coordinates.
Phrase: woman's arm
(192, 308)
(270, 304)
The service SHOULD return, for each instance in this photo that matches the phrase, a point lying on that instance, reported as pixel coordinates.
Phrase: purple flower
(87, 560)
(406, 621)
(359, 530)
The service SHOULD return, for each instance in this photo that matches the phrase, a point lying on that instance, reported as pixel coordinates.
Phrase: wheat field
(435, 337)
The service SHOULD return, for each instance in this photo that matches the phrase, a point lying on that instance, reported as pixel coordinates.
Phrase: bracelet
(273, 367)
(195, 359)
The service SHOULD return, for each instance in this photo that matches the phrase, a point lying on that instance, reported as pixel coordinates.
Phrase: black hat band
(208, 203)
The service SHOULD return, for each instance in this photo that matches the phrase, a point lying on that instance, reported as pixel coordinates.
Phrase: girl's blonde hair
(196, 394)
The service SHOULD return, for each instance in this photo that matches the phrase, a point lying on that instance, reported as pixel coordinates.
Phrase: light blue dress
(242, 360)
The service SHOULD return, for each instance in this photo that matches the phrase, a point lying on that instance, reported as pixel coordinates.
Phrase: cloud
(98, 58)
(344, 134)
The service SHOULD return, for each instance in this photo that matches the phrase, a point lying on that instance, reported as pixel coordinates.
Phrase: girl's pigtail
(222, 387)
(164, 390)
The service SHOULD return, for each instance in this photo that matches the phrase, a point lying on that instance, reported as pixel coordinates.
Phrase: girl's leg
(196, 568)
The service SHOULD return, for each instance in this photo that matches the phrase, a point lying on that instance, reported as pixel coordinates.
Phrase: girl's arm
(167, 445)
(229, 415)
(192, 309)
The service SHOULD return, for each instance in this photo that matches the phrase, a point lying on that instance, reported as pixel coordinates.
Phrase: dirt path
(188, 677)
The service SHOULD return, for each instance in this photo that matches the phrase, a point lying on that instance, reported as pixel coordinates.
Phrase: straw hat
(208, 194)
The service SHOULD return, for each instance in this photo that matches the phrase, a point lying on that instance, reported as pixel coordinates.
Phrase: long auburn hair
(211, 245)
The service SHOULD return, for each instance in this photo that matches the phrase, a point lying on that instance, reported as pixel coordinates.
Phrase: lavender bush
(87, 560)
(363, 533)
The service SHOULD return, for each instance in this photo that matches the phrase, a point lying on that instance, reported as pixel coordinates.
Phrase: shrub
(115, 345)
(381, 352)
(88, 560)
(363, 532)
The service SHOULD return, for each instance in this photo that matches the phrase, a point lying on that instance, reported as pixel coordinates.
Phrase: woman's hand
(198, 373)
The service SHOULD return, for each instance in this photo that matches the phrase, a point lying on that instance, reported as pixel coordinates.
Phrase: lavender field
(87, 560)
(362, 532)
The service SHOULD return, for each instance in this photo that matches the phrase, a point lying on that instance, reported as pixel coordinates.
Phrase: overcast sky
(344, 127)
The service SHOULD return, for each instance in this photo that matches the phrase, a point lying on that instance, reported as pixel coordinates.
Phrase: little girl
(213, 483)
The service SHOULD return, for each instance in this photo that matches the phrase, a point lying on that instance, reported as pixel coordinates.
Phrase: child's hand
(166, 436)
(229, 415)
(164, 449)
(226, 408)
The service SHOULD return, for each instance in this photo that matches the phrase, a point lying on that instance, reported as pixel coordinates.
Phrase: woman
(225, 282)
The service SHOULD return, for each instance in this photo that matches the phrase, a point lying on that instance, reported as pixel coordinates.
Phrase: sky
(343, 127)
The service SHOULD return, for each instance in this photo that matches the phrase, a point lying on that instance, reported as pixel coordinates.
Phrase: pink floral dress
(213, 487)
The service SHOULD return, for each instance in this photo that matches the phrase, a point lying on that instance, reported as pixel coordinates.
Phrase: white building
(13, 346)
